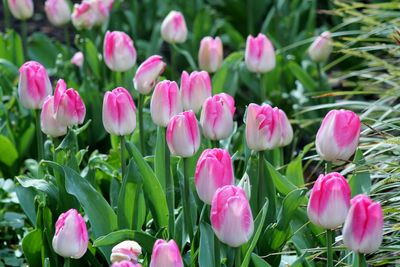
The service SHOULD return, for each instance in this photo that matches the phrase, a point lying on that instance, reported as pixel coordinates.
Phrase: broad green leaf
(26, 198)
(39, 184)
(282, 184)
(302, 76)
(360, 181)
(294, 171)
(206, 251)
(258, 262)
(8, 152)
(42, 49)
(92, 57)
(32, 245)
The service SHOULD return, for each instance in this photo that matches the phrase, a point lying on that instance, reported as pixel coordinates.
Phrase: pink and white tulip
(165, 102)
(127, 250)
(231, 217)
(147, 74)
(58, 12)
(195, 89)
(173, 28)
(216, 118)
(321, 48)
(183, 134)
(119, 51)
(78, 59)
(71, 237)
(211, 54)
(21, 9)
(286, 129)
(90, 13)
(126, 264)
(260, 54)
(34, 85)
(48, 123)
(166, 254)
(329, 201)
(119, 112)
(363, 228)
(337, 138)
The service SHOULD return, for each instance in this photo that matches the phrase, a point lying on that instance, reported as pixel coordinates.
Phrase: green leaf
(305, 79)
(32, 247)
(294, 171)
(92, 57)
(26, 198)
(282, 184)
(360, 181)
(206, 253)
(42, 49)
(159, 160)
(226, 78)
(8, 152)
(258, 262)
(39, 184)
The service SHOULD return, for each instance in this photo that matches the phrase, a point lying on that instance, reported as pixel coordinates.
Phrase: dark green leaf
(8, 152)
(32, 247)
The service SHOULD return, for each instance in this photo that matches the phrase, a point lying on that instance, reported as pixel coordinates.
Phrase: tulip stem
(186, 199)
(173, 58)
(329, 251)
(217, 255)
(39, 135)
(328, 167)
(169, 187)
(359, 260)
(141, 128)
(262, 89)
(123, 159)
(238, 260)
(67, 40)
(24, 33)
(319, 70)
(67, 262)
(6, 15)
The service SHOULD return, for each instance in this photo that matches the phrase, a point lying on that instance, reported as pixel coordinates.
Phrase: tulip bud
(78, 59)
(147, 74)
(321, 48)
(71, 237)
(245, 184)
(119, 52)
(21, 9)
(363, 228)
(48, 123)
(195, 89)
(119, 112)
(213, 170)
(90, 13)
(183, 134)
(165, 102)
(231, 217)
(260, 54)
(58, 12)
(216, 118)
(166, 254)
(286, 129)
(68, 105)
(211, 54)
(173, 28)
(126, 264)
(127, 250)
(34, 85)
(329, 201)
(337, 138)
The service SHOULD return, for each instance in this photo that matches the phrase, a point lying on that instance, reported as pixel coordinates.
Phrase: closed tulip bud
(321, 48)
(195, 89)
(166, 254)
(363, 228)
(231, 217)
(216, 118)
(90, 13)
(286, 129)
(119, 112)
(165, 102)
(127, 250)
(147, 74)
(329, 201)
(68, 105)
(71, 237)
(183, 134)
(126, 264)
(213, 170)
(21, 9)
(58, 12)
(245, 184)
(173, 28)
(119, 52)
(260, 54)
(337, 138)
(78, 59)
(48, 123)
(211, 54)
(34, 85)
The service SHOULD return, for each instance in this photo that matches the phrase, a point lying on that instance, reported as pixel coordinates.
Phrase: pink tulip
(211, 54)
(213, 170)
(48, 123)
(68, 105)
(34, 85)
(231, 217)
(183, 134)
(286, 129)
(90, 13)
(195, 89)
(329, 201)
(119, 112)
(173, 28)
(119, 52)
(363, 228)
(260, 54)
(78, 59)
(21, 9)
(165, 102)
(147, 74)
(58, 12)
(166, 254)
(321, 48)
(127, 250)
(216, 118)
(337, 138)
(71, 237)
(126, 264)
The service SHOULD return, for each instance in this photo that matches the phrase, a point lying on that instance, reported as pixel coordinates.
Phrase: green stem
(250, 16)
(262, 89)
(319, 75)
(123, 159)
(238, 259)
(24, 32)
(6, 14)
(67, 40)
(328, 167)
(141, 128)
(117, 78)
(67, 262)
(39, 135)
(169, 187)
(215, 143)
(217, 255)
(329, 251)
(173, 61)
(186, 199)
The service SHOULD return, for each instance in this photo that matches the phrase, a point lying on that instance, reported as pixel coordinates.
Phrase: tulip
(90, 13)
(71, 237)
(58, 12)
(321, 48)
(231, 217)
(173, 28)
(68, 105)
(260, 54)
(78, 59)
(34, 85)
(48, 123)
(119, 112)
(195, 89)
(329, 201)
(166, 254)
(165, 102)
(216, 117)
(211, 54)
(286, 129)
(337, 138)
(21, 9)
(126, 264)
(183, 134)
(127, 250)
(363, 228)
(119, 52)
(213, 170)
(147, 74)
